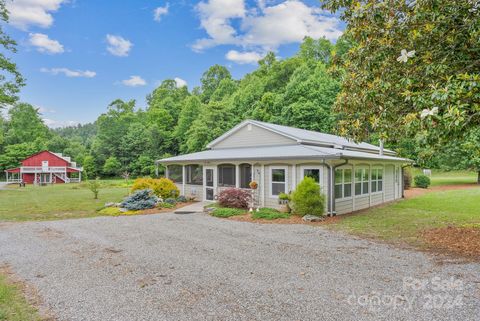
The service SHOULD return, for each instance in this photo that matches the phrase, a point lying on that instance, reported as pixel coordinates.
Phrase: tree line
(364, 86)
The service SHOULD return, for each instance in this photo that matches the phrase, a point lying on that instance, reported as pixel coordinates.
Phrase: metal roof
(304, 136)
(284, 152)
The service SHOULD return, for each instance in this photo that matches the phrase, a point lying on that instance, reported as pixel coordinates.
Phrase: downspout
(331, 190)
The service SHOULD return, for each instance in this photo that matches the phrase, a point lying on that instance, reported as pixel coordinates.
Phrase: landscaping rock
(313, 218)
(110, 204)
(209, 209)
(123, 210)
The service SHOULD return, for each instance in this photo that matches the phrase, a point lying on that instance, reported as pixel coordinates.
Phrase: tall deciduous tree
(414, 68)
(10, 78)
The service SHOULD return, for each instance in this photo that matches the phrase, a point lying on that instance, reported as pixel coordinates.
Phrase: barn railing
(40, 169)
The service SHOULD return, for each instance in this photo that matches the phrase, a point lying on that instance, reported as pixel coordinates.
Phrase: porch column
(166, 171)
(262, 185)
(156, 169)
(50, 178)
(184, 180)
(79, 177)
(35, 179)
(237, 176)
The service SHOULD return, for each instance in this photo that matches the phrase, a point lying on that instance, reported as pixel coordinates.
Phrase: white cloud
(265, 27)
(59, 123)
(246, 57)
(25, 13)
(180, 82)
(70, 73)
(118, 46)
(45, 110)
(44, 44)
(134, 81)
(159, 12)
(215, 18)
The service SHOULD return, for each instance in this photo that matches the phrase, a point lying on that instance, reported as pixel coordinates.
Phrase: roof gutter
(160, 161)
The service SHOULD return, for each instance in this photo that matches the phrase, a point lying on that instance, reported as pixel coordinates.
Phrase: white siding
(256, 136)
(388, 183)
(195, 191)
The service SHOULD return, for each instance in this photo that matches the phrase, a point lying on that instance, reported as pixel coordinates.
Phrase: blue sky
(79, 55)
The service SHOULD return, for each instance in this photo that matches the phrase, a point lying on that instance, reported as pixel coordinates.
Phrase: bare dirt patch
(29, 292)
(415, 191)
(462, 241)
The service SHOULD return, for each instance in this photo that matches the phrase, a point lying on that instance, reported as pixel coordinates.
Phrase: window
(279, 181)
(175, 173)
(377, 180)
(343, 182)
(226, 175)
(313, 173)
(194, 174)
(361, 181)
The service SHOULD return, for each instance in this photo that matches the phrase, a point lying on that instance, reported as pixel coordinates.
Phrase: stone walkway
(196, 207)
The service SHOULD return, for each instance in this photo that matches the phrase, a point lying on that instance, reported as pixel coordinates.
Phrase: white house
(352, 176)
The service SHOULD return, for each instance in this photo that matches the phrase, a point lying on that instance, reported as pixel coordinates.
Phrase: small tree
(307, 199)
(94, 186)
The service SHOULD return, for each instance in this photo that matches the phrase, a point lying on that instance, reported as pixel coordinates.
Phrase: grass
(440, 178)
(268, 214)
(403, 221)
(56, 201)
(227, 212)
(13, 305)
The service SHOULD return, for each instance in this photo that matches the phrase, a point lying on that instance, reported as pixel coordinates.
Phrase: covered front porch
(204, 181)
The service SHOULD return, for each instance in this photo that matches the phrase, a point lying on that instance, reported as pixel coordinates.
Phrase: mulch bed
(165, 210)
(293, 219)
(462, 241)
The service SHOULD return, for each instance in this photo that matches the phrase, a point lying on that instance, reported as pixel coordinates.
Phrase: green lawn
(449, 178)
(13, 306)
(402, 221)
(56, 201)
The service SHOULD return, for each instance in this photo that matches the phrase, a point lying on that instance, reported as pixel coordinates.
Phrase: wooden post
(184, 179)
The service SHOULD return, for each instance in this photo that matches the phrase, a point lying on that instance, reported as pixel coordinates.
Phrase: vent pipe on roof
(381, 147)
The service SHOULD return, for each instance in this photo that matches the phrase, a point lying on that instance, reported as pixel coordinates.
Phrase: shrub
(162, 187)
(422, 181)
(407, 179)
(284, 197)
(227, 212)
(181, 199)
(114, 211)
(234, 198)
(94, 186)
(140, 200)
(170, 201)
(166, 205)
(269, 214)
(306, 199)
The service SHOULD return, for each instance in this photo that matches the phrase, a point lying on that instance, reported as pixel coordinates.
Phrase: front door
(209, 183)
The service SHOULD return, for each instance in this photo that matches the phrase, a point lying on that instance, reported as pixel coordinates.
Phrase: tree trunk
(478, 178)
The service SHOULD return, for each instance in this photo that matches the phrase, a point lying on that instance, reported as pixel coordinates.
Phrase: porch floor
(193, 208)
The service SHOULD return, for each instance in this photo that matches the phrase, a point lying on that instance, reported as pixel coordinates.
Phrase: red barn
(45, 168)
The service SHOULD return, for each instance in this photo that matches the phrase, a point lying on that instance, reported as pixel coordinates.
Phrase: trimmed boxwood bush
(422, 181)
(234, 198)
(306, 199)
(140, 200)
(162, 187)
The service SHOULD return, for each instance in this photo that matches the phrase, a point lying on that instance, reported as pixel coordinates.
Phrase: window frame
(188, 174)
(271, 169)
(362, 181)
(220, 175)
(376, 181)
(320, 172)
(343, 183)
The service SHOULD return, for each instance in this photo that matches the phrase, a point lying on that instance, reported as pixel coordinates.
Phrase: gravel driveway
(196, 267)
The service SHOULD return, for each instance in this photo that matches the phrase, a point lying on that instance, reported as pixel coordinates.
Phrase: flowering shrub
(234, 197)
(162, 187)
(253, 185)
(140, 200)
